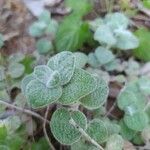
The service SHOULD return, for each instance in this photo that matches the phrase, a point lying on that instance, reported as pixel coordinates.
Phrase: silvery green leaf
(104, 35)
(95, 23)
(64, 63)
(26, 81)
(137, 122)
(45, 17)
(104, 55)
(17, 57)
(38, 95)
(115, 142)
(37, 29)
(52, 27)
(44, 46)
(126, 40)
(1, 40)
(63, 130)
(97, 130)
(116, 21)
(92, 60)
(47, 76)
(16, 70)
(20, 100)
(2, 73)
(80, 59)
(112, 65)
(144, 85)
(98, 97)
(81, 84)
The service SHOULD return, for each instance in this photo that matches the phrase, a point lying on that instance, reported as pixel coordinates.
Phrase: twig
(111, 109)
(45, 132)
(23, 110)
(86, 135)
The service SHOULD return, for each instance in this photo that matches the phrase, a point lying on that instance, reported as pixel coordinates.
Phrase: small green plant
(45, 26)
(62, 82)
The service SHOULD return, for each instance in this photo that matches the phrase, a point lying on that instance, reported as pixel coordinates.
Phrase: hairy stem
(86, 135)
(29, 112)
(45, 132)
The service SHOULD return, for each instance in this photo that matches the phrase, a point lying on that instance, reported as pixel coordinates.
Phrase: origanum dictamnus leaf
(104, 35)
(38, 95)
(47, 76)
(104, 55)
(92, 60)
(81, 84)
(97, 130)
(137, 121)
(98, 97)
(116, 21)
(80, 59)
(16, 70)
(64, 63)
(26, 81)
(45, 17)
(17, 57)
(126, 40)
(63, 130)
(115, 142)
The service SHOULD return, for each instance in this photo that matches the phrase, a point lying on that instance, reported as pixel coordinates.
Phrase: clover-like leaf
(63, 130)
(37, 29)
(97, 130)
(16, 70)
(38, 95)
(138, 121)
(80, 59)
(116, 21)
(64, 63)
(126, 40)
(92, 60)
(17, 57)
(26, 81)
(45, 17)
(81, 84)
(52, 27)
(115, 142)
(104, 35)
(47, 76)
(98, 97)
(44, 46)
(104, 55)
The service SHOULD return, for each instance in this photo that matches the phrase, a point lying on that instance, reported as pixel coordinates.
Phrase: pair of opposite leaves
(61, 81)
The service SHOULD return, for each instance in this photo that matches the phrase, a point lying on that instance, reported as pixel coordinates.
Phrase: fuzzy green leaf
(126, 40)
(104, 55)
(45, 17)
(47, 76)
(104, 35)
(98, 97)
(63, 130)
(64, 63)
(97, 130)
(17, 57)
(81, 84)
(92, 60)
(44, 46)
(138, 121)
(115, 142)
(38, 95)
(116, 21)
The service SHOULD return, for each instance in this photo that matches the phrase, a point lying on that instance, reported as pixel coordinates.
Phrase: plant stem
(86, 135)
(23, 110)
(45, 132)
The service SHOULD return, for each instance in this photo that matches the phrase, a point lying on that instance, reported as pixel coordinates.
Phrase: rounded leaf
(16, 70)
(17, 57)
(138, 121)
(63, 130)
(98, 97)
(45, 17)
(64, 63)
(93, 61)
(81, 84)
(104, 35)
(38, 95)
(97, 130)
(104, 55)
